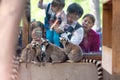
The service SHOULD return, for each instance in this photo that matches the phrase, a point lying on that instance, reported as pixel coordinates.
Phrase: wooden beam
(95, 56)
(25, 31)
(107, 24)
(107, 37)
(106, 1)
(60, 71)
(111, 39)
(116, 37)
(26, 25)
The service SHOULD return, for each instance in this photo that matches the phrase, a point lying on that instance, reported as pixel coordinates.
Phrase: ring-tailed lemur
(98, 65)
(53, 52)
(28, 54)
(73, 54)
(73, 51)
(39, 54)
(15, 68)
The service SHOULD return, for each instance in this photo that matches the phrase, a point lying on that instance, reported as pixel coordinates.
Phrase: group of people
(10, 17)
(60, 24)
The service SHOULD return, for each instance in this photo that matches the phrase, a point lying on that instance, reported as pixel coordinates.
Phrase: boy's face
(72, 17)
(87, 23)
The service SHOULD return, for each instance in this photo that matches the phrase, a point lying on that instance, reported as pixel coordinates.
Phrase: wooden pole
(26, 25)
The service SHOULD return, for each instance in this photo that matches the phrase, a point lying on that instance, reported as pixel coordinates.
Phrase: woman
(91, 40)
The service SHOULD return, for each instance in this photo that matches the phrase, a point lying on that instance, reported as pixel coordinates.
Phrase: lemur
(39, 55)
(28, 54)
(53, 52)
(74, 53)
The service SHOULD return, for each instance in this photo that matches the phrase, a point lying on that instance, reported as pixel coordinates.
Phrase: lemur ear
(47, 40)
(42, 39)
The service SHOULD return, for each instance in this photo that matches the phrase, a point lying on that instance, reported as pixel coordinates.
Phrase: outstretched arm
(10, 14)
(54, 24)
(41, 5)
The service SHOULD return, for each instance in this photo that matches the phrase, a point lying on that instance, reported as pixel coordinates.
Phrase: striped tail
(98, 65)
(15, 68)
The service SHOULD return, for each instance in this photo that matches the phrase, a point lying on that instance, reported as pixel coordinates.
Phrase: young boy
(55, 19)
(74, 30)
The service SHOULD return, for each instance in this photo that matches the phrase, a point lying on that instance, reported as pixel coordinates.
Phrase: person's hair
(58, 3)
(90, 16)
(36, 24)
(40, 24)
(75, 8)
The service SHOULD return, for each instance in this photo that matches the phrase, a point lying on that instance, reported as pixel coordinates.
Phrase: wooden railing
(95, 55)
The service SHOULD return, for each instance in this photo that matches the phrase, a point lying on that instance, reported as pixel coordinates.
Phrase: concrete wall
(108, 76)
(62, 71)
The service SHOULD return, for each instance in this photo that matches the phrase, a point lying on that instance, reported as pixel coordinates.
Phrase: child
(55, 19)
(91, 40)
(36, 35)
(40, 26)
(73, 30)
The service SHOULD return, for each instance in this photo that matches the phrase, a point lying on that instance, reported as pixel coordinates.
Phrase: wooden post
(107, 24)
(26, 25)
(111, 37)
(116, 37)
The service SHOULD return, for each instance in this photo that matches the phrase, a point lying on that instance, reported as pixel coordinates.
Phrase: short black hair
(58, 3)
(90, 16)
(75, 8)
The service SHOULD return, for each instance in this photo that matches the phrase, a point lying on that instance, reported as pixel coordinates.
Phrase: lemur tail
(15, 68)
(98, 65)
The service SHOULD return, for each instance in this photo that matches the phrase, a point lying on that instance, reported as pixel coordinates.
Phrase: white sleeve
(77, 36)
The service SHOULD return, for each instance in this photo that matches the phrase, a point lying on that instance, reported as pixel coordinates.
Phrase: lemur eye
(37, 43)
(43, 43)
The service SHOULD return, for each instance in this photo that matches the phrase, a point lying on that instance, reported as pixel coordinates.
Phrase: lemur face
(35, 44)
(63, 40)
(44, 42)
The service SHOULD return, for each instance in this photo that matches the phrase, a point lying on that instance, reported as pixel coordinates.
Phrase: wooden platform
(62, 71)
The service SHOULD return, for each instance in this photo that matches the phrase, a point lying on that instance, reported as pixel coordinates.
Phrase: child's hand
(58, 30)
(54, 24)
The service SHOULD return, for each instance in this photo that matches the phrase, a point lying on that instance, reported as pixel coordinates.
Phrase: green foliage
(39, 14)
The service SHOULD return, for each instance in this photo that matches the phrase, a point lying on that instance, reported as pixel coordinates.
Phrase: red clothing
(91, 43)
